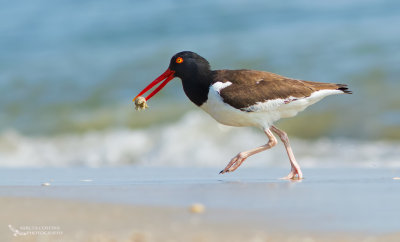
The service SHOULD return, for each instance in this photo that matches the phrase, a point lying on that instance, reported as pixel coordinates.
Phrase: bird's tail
(327, 86)
(344, 88)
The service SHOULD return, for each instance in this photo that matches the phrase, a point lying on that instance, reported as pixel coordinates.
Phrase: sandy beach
(153, 204)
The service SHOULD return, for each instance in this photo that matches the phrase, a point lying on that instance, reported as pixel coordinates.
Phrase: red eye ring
(179, 60)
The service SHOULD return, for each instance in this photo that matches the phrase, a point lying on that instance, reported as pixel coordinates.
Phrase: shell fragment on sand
(197, 208)
(140, 103)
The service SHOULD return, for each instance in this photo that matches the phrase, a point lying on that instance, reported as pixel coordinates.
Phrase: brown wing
(249, 87)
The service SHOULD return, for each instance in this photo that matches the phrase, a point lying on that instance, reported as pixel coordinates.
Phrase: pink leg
(242, 156)
(295, 166)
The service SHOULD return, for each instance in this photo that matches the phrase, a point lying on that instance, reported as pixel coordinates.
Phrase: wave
(194, 140)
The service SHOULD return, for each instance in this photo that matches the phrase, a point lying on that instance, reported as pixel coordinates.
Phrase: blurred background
(69, 71)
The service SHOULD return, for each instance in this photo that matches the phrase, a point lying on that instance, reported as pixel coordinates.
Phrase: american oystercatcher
(245, 98)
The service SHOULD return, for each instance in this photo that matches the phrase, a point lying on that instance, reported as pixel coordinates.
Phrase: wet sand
(153, 204)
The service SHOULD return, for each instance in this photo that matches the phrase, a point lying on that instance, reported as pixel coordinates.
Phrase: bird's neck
(196, 87)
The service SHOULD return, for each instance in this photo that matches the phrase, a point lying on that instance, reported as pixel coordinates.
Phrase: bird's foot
(295, 174)
(234, 163)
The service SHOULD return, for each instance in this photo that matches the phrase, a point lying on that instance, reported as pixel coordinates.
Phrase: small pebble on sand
(46, 184)
(197, 208)
(396, 178)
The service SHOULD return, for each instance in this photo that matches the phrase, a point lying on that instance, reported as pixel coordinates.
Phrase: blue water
(69, 70)
(66, 65)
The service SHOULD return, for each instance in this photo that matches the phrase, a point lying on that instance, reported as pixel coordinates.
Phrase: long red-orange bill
(168, 75)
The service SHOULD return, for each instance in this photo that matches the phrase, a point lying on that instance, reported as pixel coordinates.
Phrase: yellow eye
(179, 60)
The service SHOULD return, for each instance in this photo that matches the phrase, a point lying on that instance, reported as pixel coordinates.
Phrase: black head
(194, 72)
(187, 64)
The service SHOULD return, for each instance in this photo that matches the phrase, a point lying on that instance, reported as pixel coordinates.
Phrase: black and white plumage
(245, 98)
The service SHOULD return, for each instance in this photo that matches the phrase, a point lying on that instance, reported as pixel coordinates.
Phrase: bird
(245, 98)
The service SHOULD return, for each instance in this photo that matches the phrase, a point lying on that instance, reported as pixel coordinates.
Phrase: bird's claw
(224, 171)
(234, 163)
(295, 174)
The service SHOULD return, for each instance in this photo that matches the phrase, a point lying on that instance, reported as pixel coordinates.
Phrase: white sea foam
(195, 140)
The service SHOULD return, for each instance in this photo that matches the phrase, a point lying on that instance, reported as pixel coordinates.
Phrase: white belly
(262, 114)
(228, 115)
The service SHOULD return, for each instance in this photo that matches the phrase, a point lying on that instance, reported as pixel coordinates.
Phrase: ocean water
(194, 141)
(69, 70)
